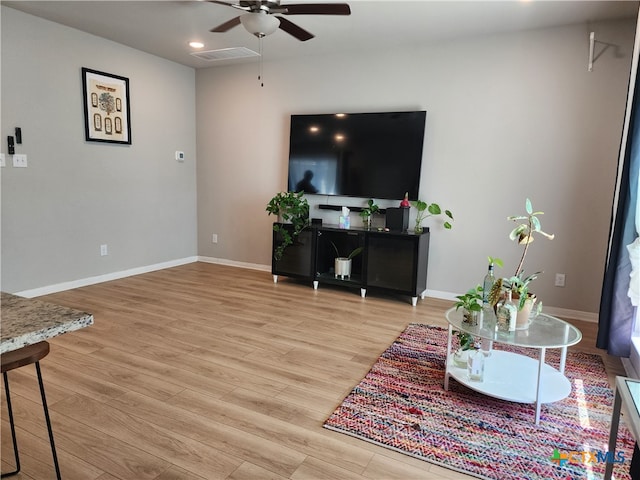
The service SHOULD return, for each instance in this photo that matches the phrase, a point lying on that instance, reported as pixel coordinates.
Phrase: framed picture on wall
(106, 107)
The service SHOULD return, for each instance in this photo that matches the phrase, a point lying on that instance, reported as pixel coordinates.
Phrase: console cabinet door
(346, 241)
(398, 262)
(297, 259)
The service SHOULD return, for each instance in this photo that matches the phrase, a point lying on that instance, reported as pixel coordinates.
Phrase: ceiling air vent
(225, 54)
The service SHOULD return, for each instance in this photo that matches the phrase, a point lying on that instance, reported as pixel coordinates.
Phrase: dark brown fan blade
(293, 29)
(316, 9)
(228, 25)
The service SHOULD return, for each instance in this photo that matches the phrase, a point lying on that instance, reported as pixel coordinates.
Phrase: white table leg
(563, 359)
(414, 301)
(275, 279)
(363, 292)
(563, 352)
(543, 352)
(315, 284)
(446, 359)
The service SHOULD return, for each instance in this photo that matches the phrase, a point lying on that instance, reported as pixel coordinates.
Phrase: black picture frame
(107, 114)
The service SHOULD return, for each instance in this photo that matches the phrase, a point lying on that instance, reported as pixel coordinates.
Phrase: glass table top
(544, 331)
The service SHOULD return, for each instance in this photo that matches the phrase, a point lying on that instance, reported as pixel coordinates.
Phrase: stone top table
(25, 321)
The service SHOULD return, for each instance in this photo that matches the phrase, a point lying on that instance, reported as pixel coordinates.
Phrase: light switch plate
(180, 156)
(3, 160)
(20, 160)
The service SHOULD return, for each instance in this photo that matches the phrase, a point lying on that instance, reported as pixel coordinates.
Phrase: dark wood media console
(390, 261)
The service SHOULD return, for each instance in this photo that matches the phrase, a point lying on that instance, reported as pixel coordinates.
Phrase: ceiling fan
(260, 19)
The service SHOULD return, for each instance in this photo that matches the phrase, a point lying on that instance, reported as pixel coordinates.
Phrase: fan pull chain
(260, 50)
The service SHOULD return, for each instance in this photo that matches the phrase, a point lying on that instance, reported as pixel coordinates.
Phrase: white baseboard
(233, 263)
(555, 311)
(60, 287)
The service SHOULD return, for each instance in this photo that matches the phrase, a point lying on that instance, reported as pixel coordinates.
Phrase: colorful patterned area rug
(401, 404)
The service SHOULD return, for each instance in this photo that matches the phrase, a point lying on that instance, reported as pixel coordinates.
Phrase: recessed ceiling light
(196, 44)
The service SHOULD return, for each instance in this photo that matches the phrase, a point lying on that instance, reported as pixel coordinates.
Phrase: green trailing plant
(426, 210)
(354, 252)
(291, 208)
(465, 340)
(470, 301)
(370, 209)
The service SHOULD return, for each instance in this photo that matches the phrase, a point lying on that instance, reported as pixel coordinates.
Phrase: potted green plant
(523, 232)
(342, 266)
(527, 226)
(471, 303)
(426, 210)
(292, 210)
(519, 286)
(368, 211)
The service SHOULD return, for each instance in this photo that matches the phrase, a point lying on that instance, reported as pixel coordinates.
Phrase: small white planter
(343, 267)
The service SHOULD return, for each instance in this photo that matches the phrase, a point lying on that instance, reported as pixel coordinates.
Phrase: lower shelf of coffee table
(514, 377)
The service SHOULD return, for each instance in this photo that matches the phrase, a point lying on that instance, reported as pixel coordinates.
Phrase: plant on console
(426, 210)
(354, 252)
(367, 212)
(292, 208)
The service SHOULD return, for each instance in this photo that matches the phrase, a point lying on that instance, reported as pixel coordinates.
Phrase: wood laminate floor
(213, 372)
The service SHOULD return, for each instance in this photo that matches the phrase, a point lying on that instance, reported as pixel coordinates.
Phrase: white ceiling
(164, 28)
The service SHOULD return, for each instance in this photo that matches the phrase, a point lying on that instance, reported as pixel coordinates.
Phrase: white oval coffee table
(512, 376)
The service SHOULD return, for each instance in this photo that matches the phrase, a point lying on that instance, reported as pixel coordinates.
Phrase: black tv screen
(369, 155)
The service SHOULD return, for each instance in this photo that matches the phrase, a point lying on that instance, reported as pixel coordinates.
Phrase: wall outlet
(214, 238)
(559, 280)
(180, 156)
(104, 250)
(20, 160)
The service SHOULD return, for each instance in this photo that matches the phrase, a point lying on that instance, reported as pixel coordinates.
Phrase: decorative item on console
(367, 212)
(342, 266)
(345, 219)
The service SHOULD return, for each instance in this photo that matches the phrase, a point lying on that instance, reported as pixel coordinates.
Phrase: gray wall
(509, 116)
(76, 195)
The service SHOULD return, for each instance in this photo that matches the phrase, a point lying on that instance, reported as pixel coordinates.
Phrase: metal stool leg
(13, 428)
(48, 420)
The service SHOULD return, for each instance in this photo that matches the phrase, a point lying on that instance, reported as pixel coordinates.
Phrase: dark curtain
(616, 321)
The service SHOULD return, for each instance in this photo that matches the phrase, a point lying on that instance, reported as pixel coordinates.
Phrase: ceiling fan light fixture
(259, 23)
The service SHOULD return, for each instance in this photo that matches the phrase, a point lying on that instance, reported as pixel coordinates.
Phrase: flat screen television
(369, 155)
